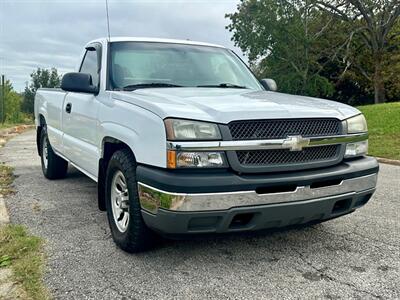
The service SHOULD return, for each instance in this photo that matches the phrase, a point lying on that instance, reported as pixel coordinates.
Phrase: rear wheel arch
(42, 123)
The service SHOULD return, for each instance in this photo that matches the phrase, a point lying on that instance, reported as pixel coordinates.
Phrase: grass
(6, 179)
(7, 125)
(23, 253)
(384, 129)
(11, 125)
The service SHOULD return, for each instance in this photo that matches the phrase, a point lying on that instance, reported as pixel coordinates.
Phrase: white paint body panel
(49, 103)
(225, 105)
(136, 118)
(80, 131)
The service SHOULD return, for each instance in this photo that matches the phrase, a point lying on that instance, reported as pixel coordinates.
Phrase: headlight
(181, 130)
(195, 159)
(200, 159)
(357, 124)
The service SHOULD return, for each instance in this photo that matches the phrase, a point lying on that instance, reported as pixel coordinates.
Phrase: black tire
(56, 167)
(136, 237)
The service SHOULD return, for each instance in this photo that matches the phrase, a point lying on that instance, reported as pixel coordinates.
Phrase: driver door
(80, 118)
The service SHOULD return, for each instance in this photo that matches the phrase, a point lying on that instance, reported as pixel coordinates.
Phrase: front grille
(279, 129)
(285, 157)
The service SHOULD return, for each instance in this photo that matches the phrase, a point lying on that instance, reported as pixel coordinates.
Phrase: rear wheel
(53, 166)
(127, 226)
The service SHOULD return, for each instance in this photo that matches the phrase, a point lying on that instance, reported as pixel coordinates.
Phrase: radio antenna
(108, 21)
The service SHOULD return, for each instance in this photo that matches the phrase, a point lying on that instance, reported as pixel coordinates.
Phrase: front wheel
(127, 226)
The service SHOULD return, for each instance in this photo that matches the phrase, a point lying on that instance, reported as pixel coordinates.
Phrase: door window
(90, 66)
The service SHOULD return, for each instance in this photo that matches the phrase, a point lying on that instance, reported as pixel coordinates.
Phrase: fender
(116, 133)
(140, 129)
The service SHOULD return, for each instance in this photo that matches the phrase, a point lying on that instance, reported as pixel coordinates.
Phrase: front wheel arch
(109, 146)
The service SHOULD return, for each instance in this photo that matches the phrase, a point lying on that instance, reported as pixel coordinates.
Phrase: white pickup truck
(183, 139)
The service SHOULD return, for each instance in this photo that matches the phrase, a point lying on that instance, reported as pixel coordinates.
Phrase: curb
(4, 217)
(388, 161)
(9, 288)
(5, 135)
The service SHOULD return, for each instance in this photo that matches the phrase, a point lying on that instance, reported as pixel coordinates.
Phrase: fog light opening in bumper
(356, 149)
(241, 220)
(341, 206)
(206, 224)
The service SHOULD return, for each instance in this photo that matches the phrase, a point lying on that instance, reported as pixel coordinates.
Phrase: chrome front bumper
(152, 199)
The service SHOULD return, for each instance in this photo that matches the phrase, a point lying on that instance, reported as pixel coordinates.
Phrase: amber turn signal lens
(171, 159)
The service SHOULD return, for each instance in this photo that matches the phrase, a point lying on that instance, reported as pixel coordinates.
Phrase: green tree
(12, 103)
(41, 78)
(391, 70)
(372, 21)
(290, 41)
(352, 71)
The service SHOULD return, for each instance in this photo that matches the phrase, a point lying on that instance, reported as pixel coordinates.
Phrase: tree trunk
(379, 84)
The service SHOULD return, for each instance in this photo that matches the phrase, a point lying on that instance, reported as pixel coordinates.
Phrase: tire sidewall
(57, 167)
(43, 135)
(113, 167)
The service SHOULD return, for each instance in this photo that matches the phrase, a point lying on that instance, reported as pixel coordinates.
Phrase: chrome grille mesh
(284, 157)
(277, 129)
(281, 129)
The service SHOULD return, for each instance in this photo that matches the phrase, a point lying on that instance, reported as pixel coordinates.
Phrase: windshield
(141, 64)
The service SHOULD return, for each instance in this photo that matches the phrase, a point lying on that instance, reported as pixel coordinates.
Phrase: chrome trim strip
(265, 144)
(199, 194)
(151, 199)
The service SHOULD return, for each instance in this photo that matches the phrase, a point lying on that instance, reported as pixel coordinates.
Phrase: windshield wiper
(132, 87)
(224, 85)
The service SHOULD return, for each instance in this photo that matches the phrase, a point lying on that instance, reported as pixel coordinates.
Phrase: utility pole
(3, 99)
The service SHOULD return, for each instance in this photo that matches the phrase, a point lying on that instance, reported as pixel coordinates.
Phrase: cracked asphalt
(353, 257)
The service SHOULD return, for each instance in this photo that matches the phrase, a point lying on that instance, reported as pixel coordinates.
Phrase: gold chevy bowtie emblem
(296, 142)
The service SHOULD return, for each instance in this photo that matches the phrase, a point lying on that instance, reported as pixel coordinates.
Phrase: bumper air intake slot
(276, 189)
(325, 183)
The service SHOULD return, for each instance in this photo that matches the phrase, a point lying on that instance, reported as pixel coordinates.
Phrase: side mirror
(269, 84)
(78, 82)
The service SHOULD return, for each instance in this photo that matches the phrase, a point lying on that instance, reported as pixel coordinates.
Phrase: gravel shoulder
(356, 256)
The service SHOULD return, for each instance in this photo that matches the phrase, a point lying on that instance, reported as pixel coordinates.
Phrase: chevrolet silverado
(183, 139)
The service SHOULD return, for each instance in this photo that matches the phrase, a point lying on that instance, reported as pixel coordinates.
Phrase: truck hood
(223, 105)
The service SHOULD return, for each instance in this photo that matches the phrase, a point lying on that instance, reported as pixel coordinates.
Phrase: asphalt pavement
(353, 257)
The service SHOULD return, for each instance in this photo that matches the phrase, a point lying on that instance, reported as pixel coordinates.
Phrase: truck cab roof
(153, 40)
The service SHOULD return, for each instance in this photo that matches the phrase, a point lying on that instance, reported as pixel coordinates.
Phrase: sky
(52, 33)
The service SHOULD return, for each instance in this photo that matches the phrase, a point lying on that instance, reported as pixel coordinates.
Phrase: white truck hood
(225, 105)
